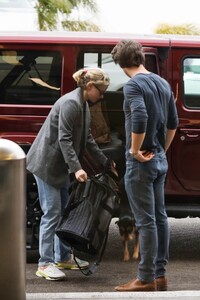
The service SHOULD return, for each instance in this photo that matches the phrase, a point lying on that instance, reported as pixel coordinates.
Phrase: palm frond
(49, 12)
(184, 29)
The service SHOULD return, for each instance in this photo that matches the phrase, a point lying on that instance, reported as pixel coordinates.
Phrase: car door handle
(189, 133)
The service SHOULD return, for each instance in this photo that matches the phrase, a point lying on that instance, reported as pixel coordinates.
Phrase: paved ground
(183, 270)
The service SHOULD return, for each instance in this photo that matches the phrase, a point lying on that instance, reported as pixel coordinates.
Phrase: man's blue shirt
(149, 108)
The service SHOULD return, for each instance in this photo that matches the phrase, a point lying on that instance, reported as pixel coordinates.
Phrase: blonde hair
(93, 75)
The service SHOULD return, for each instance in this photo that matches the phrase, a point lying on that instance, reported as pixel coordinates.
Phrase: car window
(191, 80)
(29, 77)
(117, 77)
(105, 61)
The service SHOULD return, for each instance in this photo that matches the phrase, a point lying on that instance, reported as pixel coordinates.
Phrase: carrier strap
(93, 268)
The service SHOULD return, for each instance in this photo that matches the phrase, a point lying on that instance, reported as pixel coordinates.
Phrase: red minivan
(36, 69)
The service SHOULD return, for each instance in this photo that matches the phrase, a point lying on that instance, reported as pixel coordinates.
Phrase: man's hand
(144, 156)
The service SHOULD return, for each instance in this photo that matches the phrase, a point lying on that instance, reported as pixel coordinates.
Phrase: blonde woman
(54, 155)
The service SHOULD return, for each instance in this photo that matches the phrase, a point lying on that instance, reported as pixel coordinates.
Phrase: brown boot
(137, 285)
(161, 283)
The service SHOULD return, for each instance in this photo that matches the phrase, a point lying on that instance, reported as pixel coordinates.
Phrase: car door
(185, 158)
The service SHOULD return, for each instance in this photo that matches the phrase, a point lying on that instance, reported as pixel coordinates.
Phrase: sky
(143, 16)
(125, 16)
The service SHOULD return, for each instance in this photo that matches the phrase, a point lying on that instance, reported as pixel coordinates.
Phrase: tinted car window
(117, 77)
(191, 79)
(29, 77)
(105, 61)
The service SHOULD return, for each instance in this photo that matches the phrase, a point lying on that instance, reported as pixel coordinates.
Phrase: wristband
(134, 154)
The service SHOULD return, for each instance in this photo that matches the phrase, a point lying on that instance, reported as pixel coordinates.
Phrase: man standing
(150, 122)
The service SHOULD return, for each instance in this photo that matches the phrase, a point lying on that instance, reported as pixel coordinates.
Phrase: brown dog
(126, 224)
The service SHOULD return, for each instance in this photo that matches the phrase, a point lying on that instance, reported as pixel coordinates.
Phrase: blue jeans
(52, 202)
(144, 183)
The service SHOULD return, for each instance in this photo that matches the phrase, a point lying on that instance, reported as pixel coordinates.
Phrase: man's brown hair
(128, 53)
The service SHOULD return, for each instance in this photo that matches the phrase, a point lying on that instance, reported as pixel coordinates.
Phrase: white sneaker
(71, 264)
(50, 272)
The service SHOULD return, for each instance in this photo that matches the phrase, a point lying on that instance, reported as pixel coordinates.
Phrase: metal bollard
(12, 221)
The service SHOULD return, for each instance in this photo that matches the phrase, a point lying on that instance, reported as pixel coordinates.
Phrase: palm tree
(52, 12)
(185, 29)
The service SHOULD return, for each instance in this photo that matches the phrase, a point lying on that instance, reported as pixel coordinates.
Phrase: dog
(126, 224)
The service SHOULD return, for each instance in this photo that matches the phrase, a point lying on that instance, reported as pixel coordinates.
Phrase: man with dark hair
(150, 122)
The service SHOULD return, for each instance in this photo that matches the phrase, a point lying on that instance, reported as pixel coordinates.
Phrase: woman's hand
(81, 175)
(110, 166)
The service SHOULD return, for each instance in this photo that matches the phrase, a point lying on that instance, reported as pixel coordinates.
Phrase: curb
(190, 295)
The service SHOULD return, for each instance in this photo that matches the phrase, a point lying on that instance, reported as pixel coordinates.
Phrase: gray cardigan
(54, 152)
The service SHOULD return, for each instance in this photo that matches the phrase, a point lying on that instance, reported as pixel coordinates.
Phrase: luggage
(85, 221)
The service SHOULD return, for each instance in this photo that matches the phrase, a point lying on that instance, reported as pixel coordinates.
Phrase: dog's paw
(135, 255)
(126, 257)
